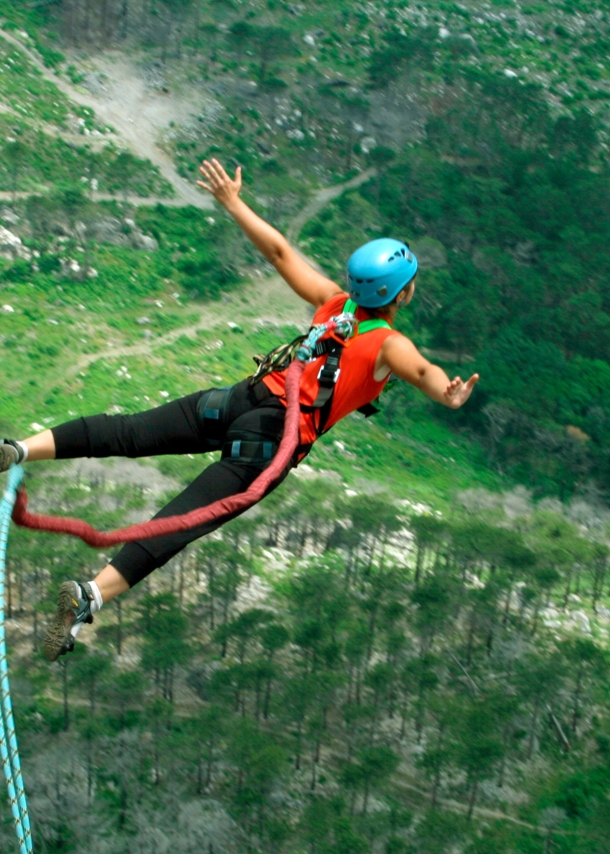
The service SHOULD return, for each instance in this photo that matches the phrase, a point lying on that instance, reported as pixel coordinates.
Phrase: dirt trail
(321, 199)
(138, 201)
(138, 114)
(264, 301)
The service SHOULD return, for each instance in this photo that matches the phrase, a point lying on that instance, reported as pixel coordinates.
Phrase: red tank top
(356, 384)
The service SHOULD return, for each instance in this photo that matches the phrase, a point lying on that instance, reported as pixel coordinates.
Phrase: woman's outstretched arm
(298, 273)
(399, 355)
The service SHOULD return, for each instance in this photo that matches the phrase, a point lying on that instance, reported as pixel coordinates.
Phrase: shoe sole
(58, 639)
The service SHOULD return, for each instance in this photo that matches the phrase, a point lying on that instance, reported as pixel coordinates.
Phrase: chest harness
(319, 342)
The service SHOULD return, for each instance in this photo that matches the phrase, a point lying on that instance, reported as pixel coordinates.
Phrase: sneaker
(10, 454)
(73, 609)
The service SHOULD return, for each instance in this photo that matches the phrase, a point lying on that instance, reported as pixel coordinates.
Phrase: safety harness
(332, 346)
(213, 407)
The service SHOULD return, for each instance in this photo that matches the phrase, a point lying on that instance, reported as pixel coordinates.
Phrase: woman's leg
(41, 446)
(228, 476)
(173, 428)
(110, 583)
(262, 419)
(77, 602)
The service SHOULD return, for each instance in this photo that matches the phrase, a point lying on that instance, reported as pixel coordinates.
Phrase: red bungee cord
(172, 524)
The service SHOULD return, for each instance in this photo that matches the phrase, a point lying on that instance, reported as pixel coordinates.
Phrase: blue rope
(9, 754)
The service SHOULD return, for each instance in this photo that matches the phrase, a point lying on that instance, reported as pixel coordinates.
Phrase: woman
(246, 422)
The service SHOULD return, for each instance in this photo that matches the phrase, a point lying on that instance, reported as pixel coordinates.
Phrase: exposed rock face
(8, 216)
(11, 246)
(142, 241)
(581, 621)
(109, 229)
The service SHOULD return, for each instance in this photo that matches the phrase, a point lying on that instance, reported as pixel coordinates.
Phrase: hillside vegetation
(405, 648)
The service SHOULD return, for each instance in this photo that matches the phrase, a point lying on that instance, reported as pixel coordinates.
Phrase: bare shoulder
(402, 357)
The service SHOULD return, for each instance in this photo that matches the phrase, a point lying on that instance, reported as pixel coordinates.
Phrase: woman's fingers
(217, 171)
(220, 169)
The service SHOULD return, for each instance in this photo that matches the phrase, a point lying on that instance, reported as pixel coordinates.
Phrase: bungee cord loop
(9, 753)
(202, 515)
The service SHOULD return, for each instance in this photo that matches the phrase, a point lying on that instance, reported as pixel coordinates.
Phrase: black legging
(175, 428)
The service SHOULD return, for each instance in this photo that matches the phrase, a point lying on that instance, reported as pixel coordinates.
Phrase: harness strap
(329, 372)
(246, 451)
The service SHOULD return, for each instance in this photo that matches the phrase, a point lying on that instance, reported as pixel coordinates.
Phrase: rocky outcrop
(118, 232)
(11, 246)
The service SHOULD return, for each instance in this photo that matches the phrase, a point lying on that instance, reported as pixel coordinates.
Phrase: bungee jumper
(263, 426)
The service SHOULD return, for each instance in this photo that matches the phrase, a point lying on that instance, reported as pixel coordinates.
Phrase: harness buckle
(333, 378)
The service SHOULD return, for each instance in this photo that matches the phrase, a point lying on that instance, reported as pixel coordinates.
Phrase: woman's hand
(224, 189)
(458, 392)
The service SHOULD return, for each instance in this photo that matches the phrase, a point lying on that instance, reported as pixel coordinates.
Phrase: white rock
(9, 216)
(309, 39)
(575, 598)
(581, 621)
(444, 33)
(143, 241)
(368, 142)
(509, 73)
(474, 580)
(11, 246)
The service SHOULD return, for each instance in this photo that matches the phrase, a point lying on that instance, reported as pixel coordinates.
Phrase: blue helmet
(379, 270)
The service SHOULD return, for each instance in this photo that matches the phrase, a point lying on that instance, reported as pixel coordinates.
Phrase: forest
(404, 648)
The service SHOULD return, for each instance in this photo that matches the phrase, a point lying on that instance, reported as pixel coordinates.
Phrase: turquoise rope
(342, 324)
(9, 754)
